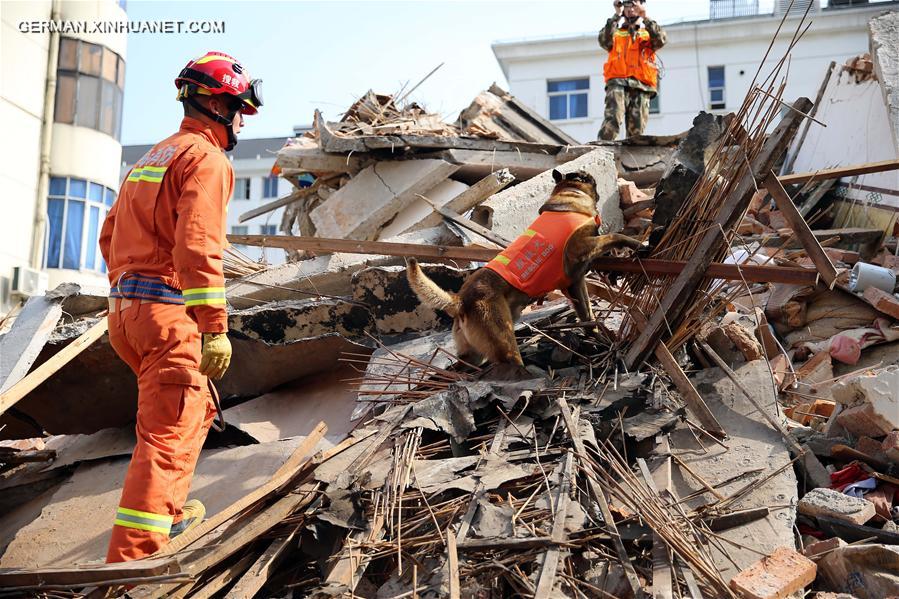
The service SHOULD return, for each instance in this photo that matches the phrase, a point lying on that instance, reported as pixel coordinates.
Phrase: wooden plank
(469, 224)
(224, 578)
(257, 575)
(801, 229)
(283, 475)
(677, 298)
(295, 196)
(600, 497)
(842, 171)
(88, 574)
(715, 270)
(452, 557)
(691, 396)
(471, 197)
(353, 559)
(505, 543)
(478, 493)
(547, 578)
(20, 346)
(43, 372)
(661, 558)
(844, 238)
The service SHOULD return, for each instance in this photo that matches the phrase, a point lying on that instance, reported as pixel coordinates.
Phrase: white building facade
(61, 106)
(706, 65)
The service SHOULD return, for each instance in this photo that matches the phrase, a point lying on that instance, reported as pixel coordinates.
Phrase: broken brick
(882, 301)
(827, 502)
(778, 575)
(890, 446)
(863, 420)
(819, 547)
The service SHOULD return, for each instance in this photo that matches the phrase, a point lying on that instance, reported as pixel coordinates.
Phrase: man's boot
(193, 513)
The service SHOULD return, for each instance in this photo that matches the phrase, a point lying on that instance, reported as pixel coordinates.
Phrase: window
(270, 186)
(268, 230)
(716, 88)
(241, 188)
(240, 230)
(568, 98)
(89, 85)
(75, 210)
(654, 106)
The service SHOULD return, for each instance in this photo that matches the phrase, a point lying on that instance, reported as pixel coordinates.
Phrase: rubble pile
(728, 427)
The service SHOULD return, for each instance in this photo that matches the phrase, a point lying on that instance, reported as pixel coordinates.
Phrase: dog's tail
(428, 291)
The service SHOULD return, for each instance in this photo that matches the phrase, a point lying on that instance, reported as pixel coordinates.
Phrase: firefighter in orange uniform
(163, 242)
(630, 71)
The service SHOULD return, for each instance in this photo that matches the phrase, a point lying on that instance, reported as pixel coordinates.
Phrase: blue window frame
(716, 88)
(568, 98)
(75, 212)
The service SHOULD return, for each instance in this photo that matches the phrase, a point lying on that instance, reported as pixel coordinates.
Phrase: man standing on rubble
(163, 242)
(631, 73)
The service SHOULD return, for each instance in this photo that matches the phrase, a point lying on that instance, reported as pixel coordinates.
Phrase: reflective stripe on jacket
(167, 227)
(535, 262)
(632, 57)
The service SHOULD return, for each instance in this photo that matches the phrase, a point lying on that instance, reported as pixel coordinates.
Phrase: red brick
(890, 446)
(882, 301)
(776, 576)
(817, 548)
(629, 194)
(862, 420)
(868, 445)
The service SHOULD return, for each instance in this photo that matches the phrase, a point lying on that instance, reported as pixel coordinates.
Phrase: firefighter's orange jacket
(164, 236)
(535, 262)
(632, 56)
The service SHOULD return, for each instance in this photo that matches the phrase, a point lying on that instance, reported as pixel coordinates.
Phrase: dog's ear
(557, 176)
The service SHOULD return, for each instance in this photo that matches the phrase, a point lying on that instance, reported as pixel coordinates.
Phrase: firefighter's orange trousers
(162, 346)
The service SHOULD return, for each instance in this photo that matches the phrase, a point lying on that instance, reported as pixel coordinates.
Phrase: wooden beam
(471, 197)
(452, 558)
(468, 224)
(546, 580)
(88, 574)
(716, 270)
(842, 171)
(677, 298)
(801, 229)
(257, 575)
(43, 372)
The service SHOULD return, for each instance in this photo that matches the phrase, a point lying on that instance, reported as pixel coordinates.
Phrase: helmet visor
(252, 98)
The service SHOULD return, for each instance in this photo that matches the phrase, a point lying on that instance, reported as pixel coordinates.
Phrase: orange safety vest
(535, 262)
(164, 237)
(632, 57)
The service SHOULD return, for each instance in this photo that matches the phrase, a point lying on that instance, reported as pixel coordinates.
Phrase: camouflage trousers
(624, 104)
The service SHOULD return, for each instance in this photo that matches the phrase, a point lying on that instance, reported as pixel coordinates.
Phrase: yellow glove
(216, 355)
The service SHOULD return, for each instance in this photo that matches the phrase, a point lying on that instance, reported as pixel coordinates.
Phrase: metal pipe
(43, 186)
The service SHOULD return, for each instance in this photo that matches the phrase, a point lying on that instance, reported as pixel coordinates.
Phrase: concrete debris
(652, 451)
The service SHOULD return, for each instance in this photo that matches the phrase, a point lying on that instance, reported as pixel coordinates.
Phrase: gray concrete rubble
(510, 211)
(884, 37)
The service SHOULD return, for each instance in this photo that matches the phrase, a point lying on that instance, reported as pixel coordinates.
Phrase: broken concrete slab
(753, 444)
(284, 321)
(413, 216)
(294, 409)
(871, 402)
(105, 443)
(20, 346)
(74, 527)
(510, 211)
(884, 43)
(828, 502)
(469, 198)
(393, 306)
(374, 196)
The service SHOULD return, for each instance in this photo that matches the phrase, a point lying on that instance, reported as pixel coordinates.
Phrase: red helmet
(218, 73)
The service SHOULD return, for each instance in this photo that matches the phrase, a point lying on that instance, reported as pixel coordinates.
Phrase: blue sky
(325, 54)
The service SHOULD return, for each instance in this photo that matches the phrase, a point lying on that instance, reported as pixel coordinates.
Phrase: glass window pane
(242, 188)
(96, 192)
(107, 108)
(55, 210)
(120, 75)
(77, 188)
(68, 54)
(71, 255)
(88, 102)
(557, 107)
(110, 197)
(90, 58)
(90, 259)
(577, 106)
(239, 229)
(109, 64)
(117, 114)
(57, 186)
(717, 95)
(716, 76)
(65, 99)
(567, 85)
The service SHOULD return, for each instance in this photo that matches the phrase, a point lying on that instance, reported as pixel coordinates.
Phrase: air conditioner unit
(27, 282)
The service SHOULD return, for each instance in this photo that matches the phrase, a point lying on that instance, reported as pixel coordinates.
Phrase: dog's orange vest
(534, 262)
(632, 57)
